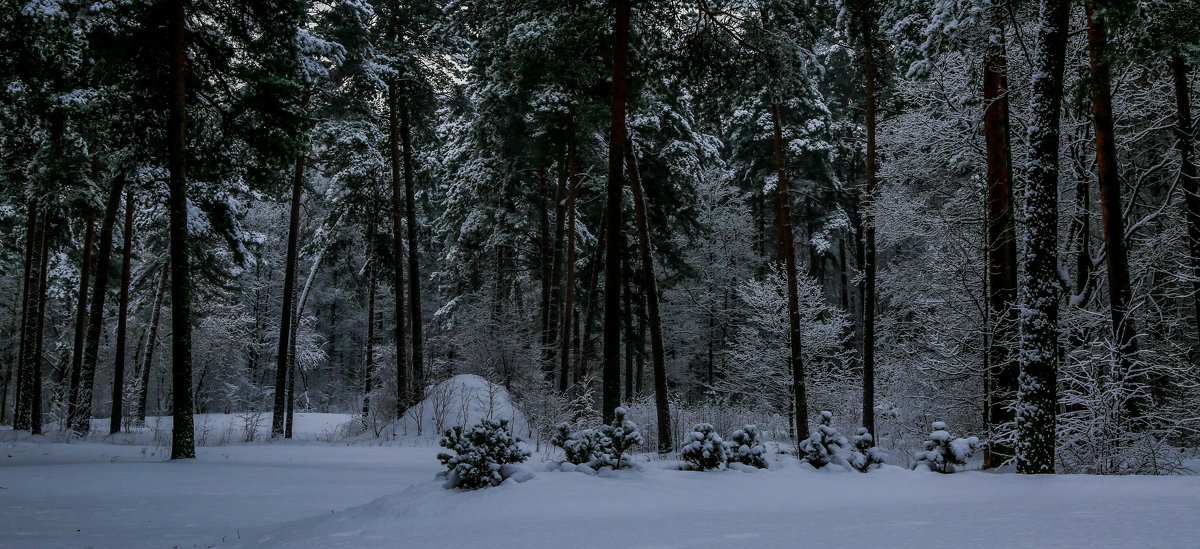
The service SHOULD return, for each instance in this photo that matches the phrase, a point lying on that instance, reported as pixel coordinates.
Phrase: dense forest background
(973, 211)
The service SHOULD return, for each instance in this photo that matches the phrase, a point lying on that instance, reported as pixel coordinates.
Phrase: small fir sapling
(866, 455)
(945, 454)
(618, 438)
(825, 445)
(704, 450)
(479, 454)
(745, 448)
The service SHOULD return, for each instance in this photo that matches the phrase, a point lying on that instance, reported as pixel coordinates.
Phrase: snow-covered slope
(462, 400)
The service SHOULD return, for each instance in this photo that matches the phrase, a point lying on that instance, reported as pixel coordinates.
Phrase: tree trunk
(91, 351)
(787, 249)
(182, 435)
(569, 299)
(1116, 257)
(35, 384)
(868, 352)
(151, 340)
(372, 279)
(399, 166)
(114, 424)
(556, 264)
(1037, 394)
(611, 385)
(1001, 246)
(657, 354)
(587, 348)
(81, 316)
(417, 380)
(292, 369)
(1187, 172)
(25, 352)
(279, 411)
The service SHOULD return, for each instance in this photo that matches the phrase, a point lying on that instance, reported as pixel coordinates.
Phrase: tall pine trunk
(569, 284)
(21, 404)
(114, 424)
(1187, 172)
(1001, 377)
(587, 346)
(35, 383)
(151, 340)
(182, 435)
(282, 366)
(657, 354)
(417, 380)
(787, 250)
(611, 376)
(399, 166)
(372, 284)
(868, 352)
(81, 315)
(91, 351)
(1037, 394)
(1116, 256)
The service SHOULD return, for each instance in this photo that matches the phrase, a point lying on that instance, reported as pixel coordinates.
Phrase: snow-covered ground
(352, 493)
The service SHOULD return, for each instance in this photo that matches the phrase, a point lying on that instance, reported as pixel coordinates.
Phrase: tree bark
(35, 384)
(292, 368)
(114, 424)
(279, 411)
(81, 316)
(657, 354)
(417, 380)
(556, 264)
(611, 385)
(399, 166)
(1187, 172)
(868, 353)
(91, 351)
(787, 249)
(21, 403)
(1037, 394)
(151, 340)
(1001, 246)
(182, 435)
(569, 299)
(372, 279)
(1116, 256)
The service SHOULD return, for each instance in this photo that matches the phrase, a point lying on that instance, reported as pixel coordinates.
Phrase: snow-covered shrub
(618, 438)
(579, 447)
(943, 453)
(606, 446)
(745, 448)
(825, 445)
(704, 449)
(865, 454)
(480, 454)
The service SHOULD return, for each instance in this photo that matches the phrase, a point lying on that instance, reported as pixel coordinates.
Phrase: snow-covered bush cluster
(745, 448)
(825, 445)
(945, 454)
(607, 446)
(865, 455)
(480, 454)
(705, 450)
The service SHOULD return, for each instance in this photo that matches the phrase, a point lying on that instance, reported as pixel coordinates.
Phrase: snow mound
(462, 400)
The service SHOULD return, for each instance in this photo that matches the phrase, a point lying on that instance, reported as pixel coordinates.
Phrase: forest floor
(327, 489)
(321, 495)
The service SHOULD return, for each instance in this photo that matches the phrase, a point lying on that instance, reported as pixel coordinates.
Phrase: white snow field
(350, 492)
